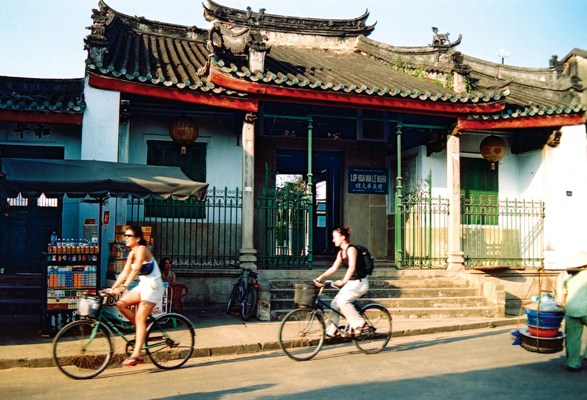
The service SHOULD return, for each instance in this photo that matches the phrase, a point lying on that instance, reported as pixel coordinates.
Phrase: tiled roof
(534, 92)
(341, 71)
(167, 56)
(42, 95)
(148, 52)
(529, 92)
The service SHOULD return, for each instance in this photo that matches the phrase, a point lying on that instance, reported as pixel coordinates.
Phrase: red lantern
(492, 149)
(184, 131)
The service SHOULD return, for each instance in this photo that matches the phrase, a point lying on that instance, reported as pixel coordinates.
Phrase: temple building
(435, 159)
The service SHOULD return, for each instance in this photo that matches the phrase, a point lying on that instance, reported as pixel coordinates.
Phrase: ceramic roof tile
(349, 71)
(150, 52)
(42, 95)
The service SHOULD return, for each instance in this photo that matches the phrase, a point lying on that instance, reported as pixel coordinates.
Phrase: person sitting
(166, 273)
(353, 285)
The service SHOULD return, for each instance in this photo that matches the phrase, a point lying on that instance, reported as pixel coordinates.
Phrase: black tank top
(359, 270)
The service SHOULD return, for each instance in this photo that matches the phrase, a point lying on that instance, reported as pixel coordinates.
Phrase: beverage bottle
(53, 239)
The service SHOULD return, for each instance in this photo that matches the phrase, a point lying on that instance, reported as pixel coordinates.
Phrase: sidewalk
(216, 334)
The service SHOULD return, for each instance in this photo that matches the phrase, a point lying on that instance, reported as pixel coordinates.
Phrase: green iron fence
(424, 230)
(502, 233)
(195, 235)
(494, 233)
(280, 228)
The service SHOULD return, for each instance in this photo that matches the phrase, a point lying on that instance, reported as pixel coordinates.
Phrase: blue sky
(44, 38)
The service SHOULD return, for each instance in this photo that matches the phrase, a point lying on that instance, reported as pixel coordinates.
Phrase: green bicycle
(84, 348)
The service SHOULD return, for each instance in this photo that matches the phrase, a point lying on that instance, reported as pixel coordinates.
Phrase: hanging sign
(368, 181)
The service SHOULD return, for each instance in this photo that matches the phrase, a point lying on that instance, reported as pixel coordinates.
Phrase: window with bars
(45, 152)
(192, 164)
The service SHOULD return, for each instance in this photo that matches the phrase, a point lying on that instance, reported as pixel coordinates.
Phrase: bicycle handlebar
(326, 283)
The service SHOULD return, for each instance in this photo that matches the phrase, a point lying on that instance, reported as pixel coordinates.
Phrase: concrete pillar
(456, 260)
(248, 254)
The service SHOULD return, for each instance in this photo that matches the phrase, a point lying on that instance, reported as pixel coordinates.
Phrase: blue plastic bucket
(544, 319)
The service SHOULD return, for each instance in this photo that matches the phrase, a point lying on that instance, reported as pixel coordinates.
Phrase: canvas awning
(98, 179)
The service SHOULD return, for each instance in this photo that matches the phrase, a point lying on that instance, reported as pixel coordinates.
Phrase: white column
(455, 254)
(248, 254)
(100, 131)
(100, 125)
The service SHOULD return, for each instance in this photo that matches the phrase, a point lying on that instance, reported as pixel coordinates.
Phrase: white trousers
(343, 302)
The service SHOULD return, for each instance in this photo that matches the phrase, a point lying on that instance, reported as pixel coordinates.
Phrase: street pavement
(217, 333)
(464, 365)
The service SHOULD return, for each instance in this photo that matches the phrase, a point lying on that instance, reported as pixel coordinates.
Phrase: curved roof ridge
(281, 23)
(145, 25)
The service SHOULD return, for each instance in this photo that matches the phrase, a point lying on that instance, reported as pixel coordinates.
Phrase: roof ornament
(229, 40)
(96, 42)
(441, 39)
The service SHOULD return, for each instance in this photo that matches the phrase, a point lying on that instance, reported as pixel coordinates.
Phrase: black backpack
(365, 259)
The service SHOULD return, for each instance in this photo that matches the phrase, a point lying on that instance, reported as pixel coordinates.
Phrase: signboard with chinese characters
(369, 181)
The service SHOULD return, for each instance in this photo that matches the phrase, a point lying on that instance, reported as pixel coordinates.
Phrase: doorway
(26, 224)
(326, 170)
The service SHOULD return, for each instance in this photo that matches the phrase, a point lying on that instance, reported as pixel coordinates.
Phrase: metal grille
(193, 234)
(281, 221)
(425, 230)
(502, 233)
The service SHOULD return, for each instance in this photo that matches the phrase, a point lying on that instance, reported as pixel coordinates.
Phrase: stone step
(28, 291)
(410, 282)
(21, 279)
(18, 306)
(399, 303)
(422, 313)
(377, 292)
(391, 273)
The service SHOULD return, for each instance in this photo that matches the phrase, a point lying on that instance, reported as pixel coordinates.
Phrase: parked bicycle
(302, 332)
(84, 348)
(244, 294)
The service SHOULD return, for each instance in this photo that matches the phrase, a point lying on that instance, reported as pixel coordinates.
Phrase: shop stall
(73, 269)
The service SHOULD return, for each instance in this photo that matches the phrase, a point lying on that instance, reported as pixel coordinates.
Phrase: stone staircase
(408, 294)
(21, 294)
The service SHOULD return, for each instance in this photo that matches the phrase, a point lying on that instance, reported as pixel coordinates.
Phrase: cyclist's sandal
(362, 331)
(132, 361)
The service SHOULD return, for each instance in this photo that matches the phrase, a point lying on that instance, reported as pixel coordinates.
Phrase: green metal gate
(424, 223)
(281, 228)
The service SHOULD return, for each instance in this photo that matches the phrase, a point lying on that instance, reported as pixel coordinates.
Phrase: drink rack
(71, 272)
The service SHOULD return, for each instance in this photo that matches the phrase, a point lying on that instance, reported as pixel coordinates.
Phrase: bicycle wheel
(301, 334)
(249, 303)
(232, 299)
(82, 349)
(170, 341)
(379, 322)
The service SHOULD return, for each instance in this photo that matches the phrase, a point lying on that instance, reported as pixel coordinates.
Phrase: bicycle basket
(89, 306)
(305, 295)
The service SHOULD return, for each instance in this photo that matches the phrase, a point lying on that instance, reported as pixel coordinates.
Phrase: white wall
(67, 136)
(565, 195)
(530, 175)
(99, 142)
(223, 147)
(100, 128)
